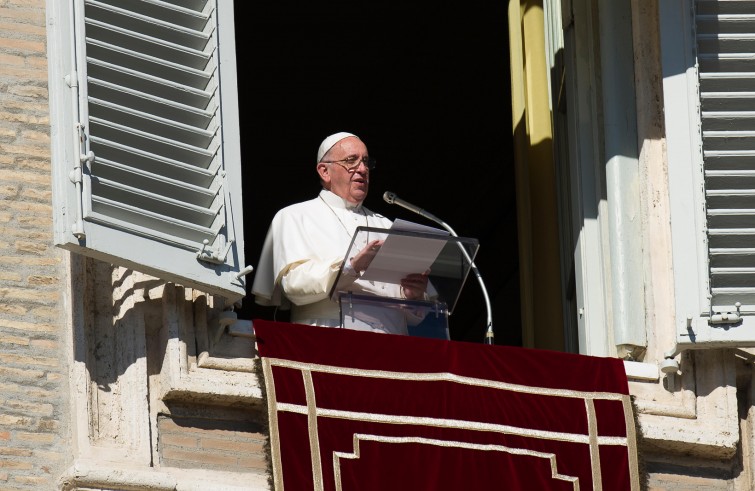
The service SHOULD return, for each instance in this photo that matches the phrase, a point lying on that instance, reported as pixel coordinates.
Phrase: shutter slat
(733, 46)
(728, 120)
(156, 144)
(167, 128)
(200, 79)
(726, 82)
(183, 25)
(730, 218)
(158, 48)
(139, 159)
(726, 298)
(733, 277)
(148, 84)
(184, 234)
(156, 203)
(724, 7)
(732, 257)
(729, 140)
(156, 184)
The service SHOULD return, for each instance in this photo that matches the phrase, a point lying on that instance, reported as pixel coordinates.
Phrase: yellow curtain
(537, 214)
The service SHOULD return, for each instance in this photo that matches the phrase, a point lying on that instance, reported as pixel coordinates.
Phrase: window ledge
(647, 372)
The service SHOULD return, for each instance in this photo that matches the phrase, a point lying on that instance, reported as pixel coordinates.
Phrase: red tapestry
(352, 410)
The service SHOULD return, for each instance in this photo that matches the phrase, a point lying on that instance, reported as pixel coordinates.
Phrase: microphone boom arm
(391, 198)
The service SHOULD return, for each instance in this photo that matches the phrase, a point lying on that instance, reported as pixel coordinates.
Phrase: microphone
(392, 199)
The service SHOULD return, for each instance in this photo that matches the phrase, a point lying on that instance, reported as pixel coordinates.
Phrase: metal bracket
(211, 255)
(87, 158)
(229, 322)
(726, 317)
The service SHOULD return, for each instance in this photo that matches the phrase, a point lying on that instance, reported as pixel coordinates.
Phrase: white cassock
(301, 257)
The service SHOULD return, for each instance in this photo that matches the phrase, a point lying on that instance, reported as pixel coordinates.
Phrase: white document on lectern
(402, 255)
(407, 226)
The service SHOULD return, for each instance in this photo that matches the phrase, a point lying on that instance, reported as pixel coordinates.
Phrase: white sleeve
(307, 256)
(309, 281)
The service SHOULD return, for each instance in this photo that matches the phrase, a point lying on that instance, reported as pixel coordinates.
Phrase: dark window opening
(427, 87)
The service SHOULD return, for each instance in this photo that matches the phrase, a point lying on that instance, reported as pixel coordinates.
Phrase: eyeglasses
(352, 163)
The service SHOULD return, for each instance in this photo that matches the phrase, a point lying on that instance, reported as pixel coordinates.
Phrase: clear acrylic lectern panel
(414, 317)
(446, 259)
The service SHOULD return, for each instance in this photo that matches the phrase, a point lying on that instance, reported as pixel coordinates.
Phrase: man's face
(351, 186)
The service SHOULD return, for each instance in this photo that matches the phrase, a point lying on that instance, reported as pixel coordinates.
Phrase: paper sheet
(401, 255)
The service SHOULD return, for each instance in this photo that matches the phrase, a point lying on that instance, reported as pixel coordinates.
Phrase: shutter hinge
(87, 158)
(726, 317)
(76, 176)
(211, 255)
(72, 80)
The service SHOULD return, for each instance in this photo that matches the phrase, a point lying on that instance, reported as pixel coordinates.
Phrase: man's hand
(414, 285)
(362, 260)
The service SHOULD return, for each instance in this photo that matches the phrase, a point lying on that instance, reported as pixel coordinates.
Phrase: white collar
(336, 201)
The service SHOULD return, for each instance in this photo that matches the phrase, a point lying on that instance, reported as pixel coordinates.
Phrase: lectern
(373, 299)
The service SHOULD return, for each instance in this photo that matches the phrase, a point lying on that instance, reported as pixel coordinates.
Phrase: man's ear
(324, 171)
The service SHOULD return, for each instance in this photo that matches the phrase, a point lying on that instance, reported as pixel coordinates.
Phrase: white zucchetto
(328, 143)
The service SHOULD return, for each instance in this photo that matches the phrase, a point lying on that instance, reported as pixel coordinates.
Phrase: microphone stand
(489, 335)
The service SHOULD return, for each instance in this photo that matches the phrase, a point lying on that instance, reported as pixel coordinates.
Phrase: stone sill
(96, 474)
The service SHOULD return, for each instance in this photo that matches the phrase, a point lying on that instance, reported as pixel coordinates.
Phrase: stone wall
(34, 409)
(109, 379)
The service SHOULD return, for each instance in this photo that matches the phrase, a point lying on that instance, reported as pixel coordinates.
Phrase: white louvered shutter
(154, 112)
(708, 63)
(726, 66)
